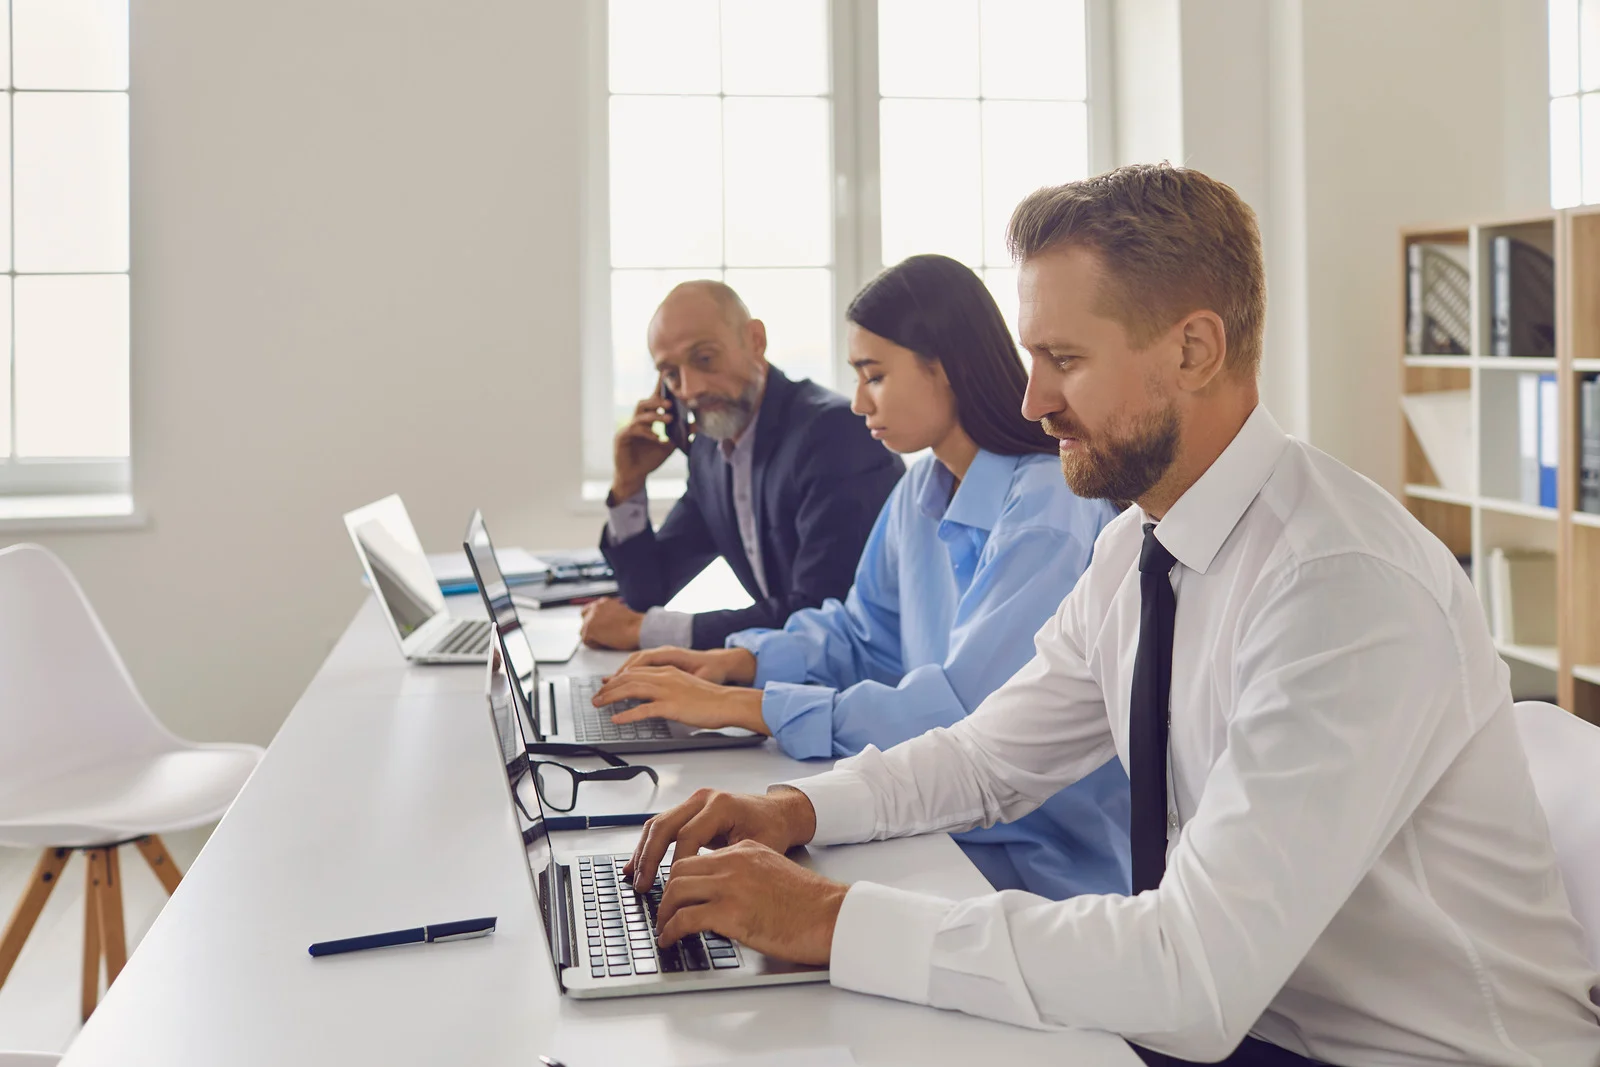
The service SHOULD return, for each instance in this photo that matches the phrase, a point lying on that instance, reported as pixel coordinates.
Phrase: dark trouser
(1252, 1053)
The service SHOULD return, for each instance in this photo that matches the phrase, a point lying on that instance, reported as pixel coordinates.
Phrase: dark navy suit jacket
(819, 481)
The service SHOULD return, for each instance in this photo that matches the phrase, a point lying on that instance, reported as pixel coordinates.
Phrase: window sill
(51, 514)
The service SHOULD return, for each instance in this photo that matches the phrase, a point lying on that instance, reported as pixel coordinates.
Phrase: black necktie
(1147, 715)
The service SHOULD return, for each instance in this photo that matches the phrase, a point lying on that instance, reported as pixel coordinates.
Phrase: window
(1574, 102)
(64, 287)
(794, 147)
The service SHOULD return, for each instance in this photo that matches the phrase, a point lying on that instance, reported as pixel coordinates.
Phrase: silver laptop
(601, 935)
(398, 571)
(562, 709)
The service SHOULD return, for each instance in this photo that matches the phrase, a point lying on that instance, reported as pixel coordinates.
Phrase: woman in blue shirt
(974, 550)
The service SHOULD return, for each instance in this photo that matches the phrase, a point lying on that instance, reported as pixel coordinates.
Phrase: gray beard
(729, 418)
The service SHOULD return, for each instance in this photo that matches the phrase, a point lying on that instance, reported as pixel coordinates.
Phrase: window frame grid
(858, 224)
(47, 475)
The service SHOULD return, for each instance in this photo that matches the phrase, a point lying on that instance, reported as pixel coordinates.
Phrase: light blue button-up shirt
(947, 597)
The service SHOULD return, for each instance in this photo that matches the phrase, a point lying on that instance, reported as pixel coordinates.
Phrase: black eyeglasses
(558, 783)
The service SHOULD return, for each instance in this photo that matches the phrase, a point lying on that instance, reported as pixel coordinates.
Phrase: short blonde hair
(1172, 241)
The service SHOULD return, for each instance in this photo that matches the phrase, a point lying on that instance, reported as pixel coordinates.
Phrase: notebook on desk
(600, 934)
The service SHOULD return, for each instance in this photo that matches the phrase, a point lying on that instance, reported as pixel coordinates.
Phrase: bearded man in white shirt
(1338, 853)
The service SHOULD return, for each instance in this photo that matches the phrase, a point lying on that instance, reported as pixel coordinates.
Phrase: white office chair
(84, 765)
(1563, 752)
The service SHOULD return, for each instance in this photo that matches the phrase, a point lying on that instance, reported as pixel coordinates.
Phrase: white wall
(343, 215)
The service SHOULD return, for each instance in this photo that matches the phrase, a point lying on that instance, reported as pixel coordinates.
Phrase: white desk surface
(380, 805)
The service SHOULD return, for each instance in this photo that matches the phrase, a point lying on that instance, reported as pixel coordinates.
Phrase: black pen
(457, 931)
(596, 822)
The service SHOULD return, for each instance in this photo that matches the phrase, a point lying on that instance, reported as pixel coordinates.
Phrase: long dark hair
(940, 310)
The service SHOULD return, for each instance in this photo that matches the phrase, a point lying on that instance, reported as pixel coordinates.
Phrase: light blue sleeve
(1021, 578)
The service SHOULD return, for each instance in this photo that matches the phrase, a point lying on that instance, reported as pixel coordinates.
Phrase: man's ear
(755, 334)
(1205, 350)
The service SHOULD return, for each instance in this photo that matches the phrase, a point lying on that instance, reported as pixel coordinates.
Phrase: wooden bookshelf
(1486, 512)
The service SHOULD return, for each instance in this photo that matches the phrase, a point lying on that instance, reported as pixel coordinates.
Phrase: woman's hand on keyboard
(670, 693)
(711, 818)
(753, 894)
(724, 666)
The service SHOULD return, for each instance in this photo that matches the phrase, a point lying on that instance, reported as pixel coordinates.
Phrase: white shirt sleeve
(628, 518)
(1347, 668)
(662, 627)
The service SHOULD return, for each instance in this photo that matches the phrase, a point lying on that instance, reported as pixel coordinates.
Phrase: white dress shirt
(1358, 869)
(628, 518)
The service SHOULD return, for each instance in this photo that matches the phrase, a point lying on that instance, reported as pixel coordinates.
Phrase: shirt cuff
(800, 718)
(883, 942)
(662, 627)
(844, 807)
(780, 656)
(628, 518)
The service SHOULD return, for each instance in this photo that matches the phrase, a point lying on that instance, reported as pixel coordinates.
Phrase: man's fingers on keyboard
(658, 836)
(683, 891)
(695, 919)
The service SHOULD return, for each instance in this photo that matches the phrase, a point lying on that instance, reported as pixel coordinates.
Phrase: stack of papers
(454, 574)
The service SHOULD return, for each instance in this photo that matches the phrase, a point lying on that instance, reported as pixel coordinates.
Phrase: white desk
(381, 804)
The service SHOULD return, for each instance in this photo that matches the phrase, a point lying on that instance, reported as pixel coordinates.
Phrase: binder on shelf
(1439, 300)
(1589, 445)
(1522, 597)
(1549, 439)
(1522, 299)
(1528, 437)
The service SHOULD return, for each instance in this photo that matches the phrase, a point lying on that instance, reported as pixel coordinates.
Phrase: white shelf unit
(1487, 513)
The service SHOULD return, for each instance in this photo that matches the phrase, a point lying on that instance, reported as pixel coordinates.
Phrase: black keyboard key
(671, 959)
(722, 963)
(722, 953)
(694, 954)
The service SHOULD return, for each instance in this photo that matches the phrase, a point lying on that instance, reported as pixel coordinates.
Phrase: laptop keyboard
(594, 724)
(621, 927)
(469, 637)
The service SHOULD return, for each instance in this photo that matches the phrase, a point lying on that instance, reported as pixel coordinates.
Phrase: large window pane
(1026, 145)
(1034, 49)
(778, 203)
(72, 366)
(1566, 188)
(1563, 16)
(1589, 45)
(71, 177)
(70, 44)
(658, 47)
(5, 43)
(5, 366)
(1002, 284)
(5, 190)
(928, 48)
(635, 295)
(774, 47)
(666, 181)
(1591, 148)
(929, 179)
(797, 308)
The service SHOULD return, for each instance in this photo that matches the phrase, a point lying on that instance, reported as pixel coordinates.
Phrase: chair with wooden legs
(84, 764)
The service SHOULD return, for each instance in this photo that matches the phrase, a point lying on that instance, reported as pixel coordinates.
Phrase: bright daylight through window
(752, 141)
(64, 297)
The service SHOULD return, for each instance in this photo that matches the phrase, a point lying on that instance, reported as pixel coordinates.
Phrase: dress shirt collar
(1197, 525)
(979, 499)
(746, 443)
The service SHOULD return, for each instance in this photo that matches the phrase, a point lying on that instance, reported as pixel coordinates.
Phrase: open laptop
(561, 709)
(398, 571)
(599, 932)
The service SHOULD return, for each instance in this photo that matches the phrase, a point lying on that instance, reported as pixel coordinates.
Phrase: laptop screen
(502, 610)
(395, 563)
(505, 708)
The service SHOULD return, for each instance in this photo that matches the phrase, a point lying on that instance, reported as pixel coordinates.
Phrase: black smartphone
(679, 430)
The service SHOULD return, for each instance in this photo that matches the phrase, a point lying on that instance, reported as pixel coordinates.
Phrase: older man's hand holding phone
(639, 449)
